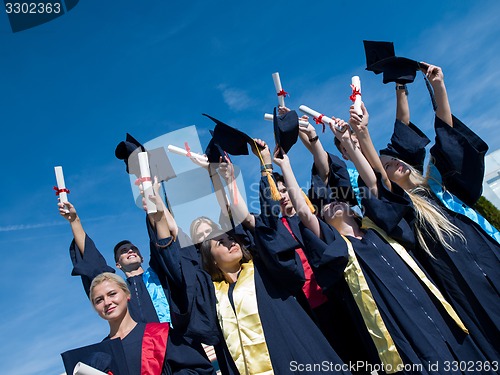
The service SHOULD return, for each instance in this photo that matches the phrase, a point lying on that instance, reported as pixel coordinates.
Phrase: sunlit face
(109, 300)
(202, 232)
(285, 202)
(335, 212)
(226, 252)
(396, 170)
(129, 257)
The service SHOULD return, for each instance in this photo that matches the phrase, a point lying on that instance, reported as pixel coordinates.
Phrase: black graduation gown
(290, 333)
(141, 308)
(196, 290)
(332, 317)
(422, 332)
(469, 277)
(174, 360)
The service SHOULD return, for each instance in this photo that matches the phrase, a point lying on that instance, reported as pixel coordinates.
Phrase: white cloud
(236, 99)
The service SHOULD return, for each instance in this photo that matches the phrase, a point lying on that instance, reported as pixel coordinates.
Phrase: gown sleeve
(327, 255)
(393, 212)
(458, 155)
(88, 265)
(408, 144)
(275, 248)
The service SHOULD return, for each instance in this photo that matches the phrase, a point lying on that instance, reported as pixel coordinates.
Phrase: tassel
(308, 202)
(275, 194)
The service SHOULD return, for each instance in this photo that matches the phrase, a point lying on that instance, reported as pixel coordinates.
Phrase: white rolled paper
(270, 117)
(63, 196)
(316, 115)
(83, 369)
(356, 84)
(147, 186)
(183, 152)
(279, 89)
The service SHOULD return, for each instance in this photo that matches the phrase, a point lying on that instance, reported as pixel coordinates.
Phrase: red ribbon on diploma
(186, 146)
(318, 120)
(282, 93)
(141, 180)
(354, 93)
(58, 191)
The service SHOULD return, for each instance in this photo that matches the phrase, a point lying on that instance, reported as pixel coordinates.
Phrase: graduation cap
(381, 58)
(228, 140)
(286, 129)
(127, 148)
(159, 163)
(338, 187)
(107, 356)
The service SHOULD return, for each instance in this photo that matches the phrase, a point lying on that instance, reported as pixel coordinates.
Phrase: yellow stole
(243, 331)
(367, 306)
(401, 251)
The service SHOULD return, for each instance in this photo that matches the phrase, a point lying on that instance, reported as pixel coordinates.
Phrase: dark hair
(118, 245)
(278, 177)
(208, 261)
(337, 144)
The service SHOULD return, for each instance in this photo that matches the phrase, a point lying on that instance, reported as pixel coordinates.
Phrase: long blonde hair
(431, 220)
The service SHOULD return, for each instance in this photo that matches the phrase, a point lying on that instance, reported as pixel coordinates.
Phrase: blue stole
(353, 177)
(155, 290)
(456, 205)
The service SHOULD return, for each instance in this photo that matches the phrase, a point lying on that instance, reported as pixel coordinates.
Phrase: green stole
(243, 330)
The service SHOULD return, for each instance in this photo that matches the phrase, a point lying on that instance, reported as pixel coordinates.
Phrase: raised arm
(402, 106)
(311, 140)
(296, 194)
(360, 126)
(217, 184)
(68, 211)
(162, 220)
(238, 205)
(356, 156)
(436, 78)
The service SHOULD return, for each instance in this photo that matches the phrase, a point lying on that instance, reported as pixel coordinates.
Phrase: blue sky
(70, 90)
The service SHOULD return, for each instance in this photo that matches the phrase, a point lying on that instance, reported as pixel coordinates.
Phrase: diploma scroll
(356, 94)
(183, 152)
(270, 117)
(145, 179)
(279, 89)
(319, 118)
(83, 369)
(61, 190)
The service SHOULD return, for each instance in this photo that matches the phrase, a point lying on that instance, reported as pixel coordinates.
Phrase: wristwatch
(402, 87)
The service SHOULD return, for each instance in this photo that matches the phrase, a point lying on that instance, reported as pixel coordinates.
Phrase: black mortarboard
(106, 356)
(229, 139)
(338, 188)
(214, 151)
(159, 164)
(380, 58)
(286, 129)
(124, 151)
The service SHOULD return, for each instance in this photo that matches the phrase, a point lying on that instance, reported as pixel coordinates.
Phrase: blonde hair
(431, 220)
(197, 222)
(107, 276)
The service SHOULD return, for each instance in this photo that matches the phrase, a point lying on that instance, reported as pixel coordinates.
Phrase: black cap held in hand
(286, 129)
(228, 139)
(125, 149)
(380, 58)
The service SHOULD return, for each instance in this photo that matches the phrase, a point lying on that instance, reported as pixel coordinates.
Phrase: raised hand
(68, 211)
